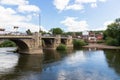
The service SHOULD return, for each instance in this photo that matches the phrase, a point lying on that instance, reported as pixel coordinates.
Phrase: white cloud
(14, 2)
(61, 4)
(102, 0)
(76, 4)
(10, 18)
(107, 23)
(104, 26)
(4, 11)
(22, 5)
(93, 5)
(85, 1)
(9, 15)
(23, 26)
(28, 8)
(75, 7)
(73, 25)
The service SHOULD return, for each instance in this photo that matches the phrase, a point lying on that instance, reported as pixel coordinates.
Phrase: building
(92, 37)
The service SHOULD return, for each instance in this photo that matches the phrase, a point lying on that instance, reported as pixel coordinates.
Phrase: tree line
(112, 33)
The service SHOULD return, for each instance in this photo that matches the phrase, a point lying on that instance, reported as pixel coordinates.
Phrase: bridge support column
(57, 41)
(37, 47)
(35, 51)
(69, 43)
(34, 45)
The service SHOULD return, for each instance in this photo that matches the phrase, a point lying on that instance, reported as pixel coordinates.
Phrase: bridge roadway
(15, 37)
(25, 37)
(53, 37)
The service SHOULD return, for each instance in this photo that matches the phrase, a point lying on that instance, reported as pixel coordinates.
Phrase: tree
(56, 31)
(43, 32)
(8, 43)
(113, 31)
(29, 32)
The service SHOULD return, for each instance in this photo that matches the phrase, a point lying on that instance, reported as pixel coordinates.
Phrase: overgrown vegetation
(78, 43)
(112, 34)
(100, 41)
(61, 47)
(7, 43)
(111, 41)
(56, 31)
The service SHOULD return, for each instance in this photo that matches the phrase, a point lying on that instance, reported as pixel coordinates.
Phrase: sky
(69, 15)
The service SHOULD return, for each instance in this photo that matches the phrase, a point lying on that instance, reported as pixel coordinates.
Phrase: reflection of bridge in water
(33, 44)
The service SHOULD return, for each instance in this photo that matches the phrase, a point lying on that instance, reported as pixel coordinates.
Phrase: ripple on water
(8, 60)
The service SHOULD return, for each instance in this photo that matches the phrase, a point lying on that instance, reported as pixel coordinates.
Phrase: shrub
(112, 42)
(7, 43)
(61, 47)
(78, 43)
(100, 41)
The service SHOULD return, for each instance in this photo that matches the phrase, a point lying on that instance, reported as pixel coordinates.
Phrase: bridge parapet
(15, 36)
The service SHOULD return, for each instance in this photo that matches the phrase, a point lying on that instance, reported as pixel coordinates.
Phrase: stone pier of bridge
(54, 42)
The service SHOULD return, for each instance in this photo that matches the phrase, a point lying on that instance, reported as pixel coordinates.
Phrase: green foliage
(98, 32)
(113, 33)
(61, 47)
(100, 41)
(104, 35)
(56, 31)
(29, 32)
(7, 43)
(68, 33)
(78, 43)
(112, 42)
(74, 34)
(43, 32)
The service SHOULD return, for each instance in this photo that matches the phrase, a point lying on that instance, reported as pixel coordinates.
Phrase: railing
(24, 35)
(11, 33)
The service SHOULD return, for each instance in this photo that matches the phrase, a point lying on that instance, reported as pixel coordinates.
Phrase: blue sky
(70, 15)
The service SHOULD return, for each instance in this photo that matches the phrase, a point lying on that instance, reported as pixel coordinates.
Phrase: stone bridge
(33, 44)
(26, 44)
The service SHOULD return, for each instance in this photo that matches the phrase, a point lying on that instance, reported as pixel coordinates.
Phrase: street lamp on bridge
(38, 15)
(39, 19)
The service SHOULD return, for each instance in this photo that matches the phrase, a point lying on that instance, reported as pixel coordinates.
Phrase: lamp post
(39, 19)
(16, 28)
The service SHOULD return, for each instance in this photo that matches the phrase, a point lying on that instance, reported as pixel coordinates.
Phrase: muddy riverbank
(100, 46)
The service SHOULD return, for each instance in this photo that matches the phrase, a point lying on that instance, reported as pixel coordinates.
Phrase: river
(53, 65)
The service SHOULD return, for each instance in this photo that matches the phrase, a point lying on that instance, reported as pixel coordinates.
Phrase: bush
(100, 41)
(61, 47)
(112, 42)
(78, 43)
(7, 43)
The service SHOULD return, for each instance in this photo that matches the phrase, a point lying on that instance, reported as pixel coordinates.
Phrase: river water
(53, 65)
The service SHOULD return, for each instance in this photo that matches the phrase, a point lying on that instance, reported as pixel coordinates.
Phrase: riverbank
(100, 46)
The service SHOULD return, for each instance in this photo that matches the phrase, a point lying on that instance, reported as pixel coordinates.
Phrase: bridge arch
(28, 44)
(21, 44)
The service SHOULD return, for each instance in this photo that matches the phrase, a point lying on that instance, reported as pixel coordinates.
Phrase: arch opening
(22, 46)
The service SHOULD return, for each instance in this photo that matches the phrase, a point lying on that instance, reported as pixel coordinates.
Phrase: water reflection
(15, 67)
(113, 59)
(8, 61)
(65, 65)
(28, 67)
(51, 56)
